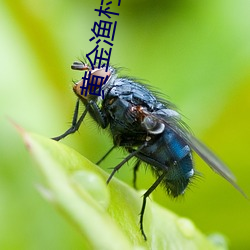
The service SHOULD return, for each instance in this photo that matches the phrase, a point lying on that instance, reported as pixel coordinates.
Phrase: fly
(149, 128)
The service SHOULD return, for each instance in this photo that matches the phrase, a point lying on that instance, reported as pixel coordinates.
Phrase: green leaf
(106, 215)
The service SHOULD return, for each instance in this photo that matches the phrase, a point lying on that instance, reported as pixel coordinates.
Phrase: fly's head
(95, 81)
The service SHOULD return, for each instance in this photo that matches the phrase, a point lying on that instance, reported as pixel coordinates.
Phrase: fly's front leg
(95, 112)
(75, 124)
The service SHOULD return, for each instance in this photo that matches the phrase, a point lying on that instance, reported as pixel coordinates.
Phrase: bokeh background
(195, 52)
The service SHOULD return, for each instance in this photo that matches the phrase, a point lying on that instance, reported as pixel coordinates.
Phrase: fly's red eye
(92, 81)
(100, 76)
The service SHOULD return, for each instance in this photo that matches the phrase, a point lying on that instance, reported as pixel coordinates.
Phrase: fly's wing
(175, 124)
(212, 160)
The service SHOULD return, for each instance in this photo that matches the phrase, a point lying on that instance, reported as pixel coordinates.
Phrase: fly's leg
(145, 196)
(125, 160)
(135, 169)
(97, 114)
(105, 155)
(75, 124)
(91, 107)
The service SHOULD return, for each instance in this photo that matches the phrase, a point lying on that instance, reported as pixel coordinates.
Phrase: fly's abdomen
(180, 166)
(168, 154)
(178, 176)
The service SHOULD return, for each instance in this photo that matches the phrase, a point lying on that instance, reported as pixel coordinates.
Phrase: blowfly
(148, 127)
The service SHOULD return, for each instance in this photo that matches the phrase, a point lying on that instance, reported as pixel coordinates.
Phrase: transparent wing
(175, 124)
(207, 155)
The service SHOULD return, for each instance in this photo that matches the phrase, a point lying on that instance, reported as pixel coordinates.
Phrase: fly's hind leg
(145, 196)
(135, 169)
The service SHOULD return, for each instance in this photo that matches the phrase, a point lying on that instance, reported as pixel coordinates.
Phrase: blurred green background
(195, 52)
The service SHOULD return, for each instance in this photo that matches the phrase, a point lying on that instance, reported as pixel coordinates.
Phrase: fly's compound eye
(92, 80)
(152, 125)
